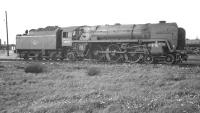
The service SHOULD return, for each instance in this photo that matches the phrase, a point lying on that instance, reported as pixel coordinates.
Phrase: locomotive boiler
(160, 42)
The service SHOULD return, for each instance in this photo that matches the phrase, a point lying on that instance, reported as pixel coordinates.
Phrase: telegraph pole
(7, 34)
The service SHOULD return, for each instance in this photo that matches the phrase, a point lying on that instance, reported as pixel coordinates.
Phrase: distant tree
(26, 32)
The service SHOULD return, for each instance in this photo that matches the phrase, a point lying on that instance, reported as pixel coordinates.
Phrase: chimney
(162, 22)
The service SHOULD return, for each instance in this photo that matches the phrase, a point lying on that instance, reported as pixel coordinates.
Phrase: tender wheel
(197, 52)
(97, 53)
(39, 56)
(46, 58)
(112, 54)
(148, 59)
(26, 57)
(53, 56)
(169, 59)
(71, 56)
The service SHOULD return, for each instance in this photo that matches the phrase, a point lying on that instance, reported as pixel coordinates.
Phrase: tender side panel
(39, 40)
(36, 42)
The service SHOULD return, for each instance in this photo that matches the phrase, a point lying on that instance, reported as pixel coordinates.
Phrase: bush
(34, 68)
(93, 71)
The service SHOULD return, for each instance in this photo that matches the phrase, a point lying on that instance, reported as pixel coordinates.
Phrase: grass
(69, 88)
(175, 77)
(180, 108)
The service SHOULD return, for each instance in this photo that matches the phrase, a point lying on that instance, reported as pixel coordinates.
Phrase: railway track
(190, 63)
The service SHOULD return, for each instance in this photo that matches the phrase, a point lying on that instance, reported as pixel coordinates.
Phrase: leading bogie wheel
(148, 59)
(170, 59)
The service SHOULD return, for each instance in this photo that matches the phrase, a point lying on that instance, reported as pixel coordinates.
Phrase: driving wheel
(113, 54)
(97, 53)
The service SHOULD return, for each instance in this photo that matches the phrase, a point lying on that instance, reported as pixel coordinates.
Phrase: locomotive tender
(149, 43)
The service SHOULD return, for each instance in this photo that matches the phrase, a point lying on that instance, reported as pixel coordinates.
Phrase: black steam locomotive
(149, 43)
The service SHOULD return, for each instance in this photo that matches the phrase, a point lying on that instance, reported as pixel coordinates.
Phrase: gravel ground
(84, 87)
(3, 55)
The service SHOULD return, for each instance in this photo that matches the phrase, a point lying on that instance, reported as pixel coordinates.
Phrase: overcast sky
(29, 14)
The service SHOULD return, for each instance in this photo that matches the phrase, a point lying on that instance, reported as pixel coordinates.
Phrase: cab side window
(65, 34)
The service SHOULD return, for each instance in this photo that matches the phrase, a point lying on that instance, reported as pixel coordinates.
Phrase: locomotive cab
(67, 35)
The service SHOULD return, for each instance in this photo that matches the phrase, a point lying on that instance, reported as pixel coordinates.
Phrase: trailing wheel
(170, 59)
(96, 52)
(112, 54)
(148, 59)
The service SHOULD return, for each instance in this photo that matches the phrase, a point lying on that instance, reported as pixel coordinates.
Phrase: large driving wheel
(148, 59)
(112, 54)
(96, 52)
(169, 59)
(134, 56)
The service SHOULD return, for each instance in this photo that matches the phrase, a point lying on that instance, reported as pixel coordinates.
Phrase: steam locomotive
(149, 43)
